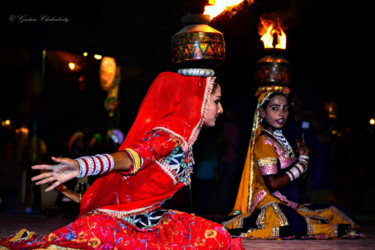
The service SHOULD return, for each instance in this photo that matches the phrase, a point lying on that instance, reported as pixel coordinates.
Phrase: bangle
(136, 160)
(82, 168)
(94, 165)
(291, 177)
(304, 158)
(295, 172)
(300, 167)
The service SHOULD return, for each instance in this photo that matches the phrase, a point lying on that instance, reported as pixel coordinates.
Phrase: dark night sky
(323, 47)
(324, 50)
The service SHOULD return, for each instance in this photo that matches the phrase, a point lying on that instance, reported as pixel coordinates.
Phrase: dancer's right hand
(65, 170)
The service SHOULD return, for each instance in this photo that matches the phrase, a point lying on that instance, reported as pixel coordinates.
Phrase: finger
(42, 176)
(42, 167)
(56, 159)
(46, 180)
(303, 138)
(62, 160)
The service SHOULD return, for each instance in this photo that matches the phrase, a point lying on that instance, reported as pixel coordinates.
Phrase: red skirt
(176, 230)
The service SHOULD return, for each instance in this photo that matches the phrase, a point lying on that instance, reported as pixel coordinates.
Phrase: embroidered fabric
(286, 157)
(146, 220)
(181, 163)
(267, 166)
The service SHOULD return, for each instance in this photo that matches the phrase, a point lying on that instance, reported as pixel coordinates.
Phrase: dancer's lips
(280, 121)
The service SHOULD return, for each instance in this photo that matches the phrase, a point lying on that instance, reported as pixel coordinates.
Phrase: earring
(261, 120)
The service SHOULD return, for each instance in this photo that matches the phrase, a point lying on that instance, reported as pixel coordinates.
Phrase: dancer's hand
(65, 170)
(74, 196)
(303, 149)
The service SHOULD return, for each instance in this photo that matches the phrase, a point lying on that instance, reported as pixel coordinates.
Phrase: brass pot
(273, 69)
(197, 45)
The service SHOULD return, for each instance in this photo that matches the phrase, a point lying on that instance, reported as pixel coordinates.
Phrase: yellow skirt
(321, 223)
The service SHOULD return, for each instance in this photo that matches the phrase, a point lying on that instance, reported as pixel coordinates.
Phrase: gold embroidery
(20, 235)
(310, 227)
(261, 218)
(335, 230)
(280, 214)
(316, 213)
(275, 232)
(52, 237)
(239, 222)
(94, 242)
(267, 161)
(209, 233)
(243, 235)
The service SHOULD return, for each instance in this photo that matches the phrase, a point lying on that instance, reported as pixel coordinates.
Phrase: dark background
(326, 47)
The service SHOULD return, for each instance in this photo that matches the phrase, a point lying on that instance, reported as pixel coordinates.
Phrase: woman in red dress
(123, 207)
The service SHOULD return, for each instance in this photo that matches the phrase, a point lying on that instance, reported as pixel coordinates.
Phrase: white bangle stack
(95, 165)
(304, 158)
(296, 171)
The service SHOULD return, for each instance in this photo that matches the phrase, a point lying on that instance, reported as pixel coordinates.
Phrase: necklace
(280, 138)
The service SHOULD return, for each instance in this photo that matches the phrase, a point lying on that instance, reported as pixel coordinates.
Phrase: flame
(281, 40)
(267, 29)
(216, 7)
(72, 66)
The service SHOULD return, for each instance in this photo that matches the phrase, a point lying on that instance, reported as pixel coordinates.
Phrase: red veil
(174, 103)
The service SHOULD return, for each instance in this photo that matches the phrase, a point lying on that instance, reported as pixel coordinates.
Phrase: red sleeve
(154, 146)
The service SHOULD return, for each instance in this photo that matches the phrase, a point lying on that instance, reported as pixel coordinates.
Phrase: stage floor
(43, 224)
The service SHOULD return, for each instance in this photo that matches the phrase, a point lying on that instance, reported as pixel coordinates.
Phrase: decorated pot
(197, 45)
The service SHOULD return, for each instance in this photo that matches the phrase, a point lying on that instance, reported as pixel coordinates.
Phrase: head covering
(175, 104)
(252, 185)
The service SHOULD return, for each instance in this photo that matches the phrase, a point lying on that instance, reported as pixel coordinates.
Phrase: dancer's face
(214, 108)
(275, 113)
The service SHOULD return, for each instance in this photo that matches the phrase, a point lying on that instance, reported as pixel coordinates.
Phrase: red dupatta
(174, 103)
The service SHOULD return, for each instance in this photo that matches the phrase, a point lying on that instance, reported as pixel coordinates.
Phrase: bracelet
(82, 168)
(136, 160)
(291, 177)
(295, 172)
(300, 168)
(304, 158)
(94, 165)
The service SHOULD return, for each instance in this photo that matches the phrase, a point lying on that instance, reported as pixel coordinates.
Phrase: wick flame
(218, 6)
(267, 29)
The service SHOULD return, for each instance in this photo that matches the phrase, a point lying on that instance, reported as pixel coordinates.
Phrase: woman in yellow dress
(267, 201)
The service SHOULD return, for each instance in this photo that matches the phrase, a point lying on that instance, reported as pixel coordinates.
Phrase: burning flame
(215, 7)
(268, 29)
